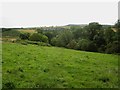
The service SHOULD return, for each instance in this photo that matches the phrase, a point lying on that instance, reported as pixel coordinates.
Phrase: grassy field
(28, 66)
(27, 31)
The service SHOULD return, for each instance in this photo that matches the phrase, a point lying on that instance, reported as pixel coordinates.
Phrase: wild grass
(33, 66)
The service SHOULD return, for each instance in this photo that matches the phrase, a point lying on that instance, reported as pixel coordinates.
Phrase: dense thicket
(93, 37)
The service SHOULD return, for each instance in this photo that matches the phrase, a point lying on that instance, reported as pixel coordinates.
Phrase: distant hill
(76, 25)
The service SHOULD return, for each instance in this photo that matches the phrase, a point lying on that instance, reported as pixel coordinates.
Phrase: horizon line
(35, 26)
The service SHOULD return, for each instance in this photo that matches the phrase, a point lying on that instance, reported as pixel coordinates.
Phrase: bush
(101, 49)
(10, 33)
(24, 35)
(24, 43)
(35, 43)
(83, 44)
(50, 35)
(55, 42)
(35, 37)
(38, 37)
(72, 45)
(63, 39)
(44, 39)
(86, 45)
(43, 44)
(113, 47)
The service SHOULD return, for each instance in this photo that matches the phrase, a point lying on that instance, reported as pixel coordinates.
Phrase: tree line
(93, 37)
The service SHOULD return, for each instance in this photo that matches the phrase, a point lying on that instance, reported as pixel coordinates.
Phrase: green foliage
(50, 35)
(92, 37)
(117, 25)
(38, 37)
(35, 37)
(6, 29)
(39, 30)
(73, 45)
(109, 34)
(86, 45)
(24, 36)
(95, 26)
(54, 41)
(99, 40)
(44, 39)
(78, 33)
(63, 38)
(92, 29)
(10, 33)
(83, 44)
(24, 43)
(113, 47)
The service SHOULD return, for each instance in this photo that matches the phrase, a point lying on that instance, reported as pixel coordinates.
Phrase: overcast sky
(33, 14)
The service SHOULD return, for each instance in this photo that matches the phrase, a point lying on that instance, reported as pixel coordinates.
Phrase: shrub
(35, 43)
(10, 33)
(43, 44)
(24, 35)
(101, 49)
(24, 43)
(83, 44)
(86, 45)
(55, 42)
(44, 39)
(72, 45)
(63, 39)
(113, 47)
(35, 37)
(39, 37)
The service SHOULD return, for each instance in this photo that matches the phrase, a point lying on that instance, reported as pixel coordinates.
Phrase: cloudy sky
(33, 14)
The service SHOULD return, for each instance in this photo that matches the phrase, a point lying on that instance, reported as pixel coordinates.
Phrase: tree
(113, 47)
(109, 34)
(99, 40)
(62, 39)
(50, 35)
(44, 39)
(54, 41)
(72, 45)
(39, 37)
(39, 30)
(86, 45)
(83, 44)
(78, 33)
(92, 29)
(117, 25)
(24, 35)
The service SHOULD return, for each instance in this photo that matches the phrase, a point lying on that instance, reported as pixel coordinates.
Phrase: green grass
(32, 66)
(0, 65)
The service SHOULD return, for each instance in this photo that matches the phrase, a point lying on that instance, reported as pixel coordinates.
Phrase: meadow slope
(32, 66)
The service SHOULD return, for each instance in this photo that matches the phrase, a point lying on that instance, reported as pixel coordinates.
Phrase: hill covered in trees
(93, 37)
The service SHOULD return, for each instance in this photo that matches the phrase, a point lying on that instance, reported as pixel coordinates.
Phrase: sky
(36, 14)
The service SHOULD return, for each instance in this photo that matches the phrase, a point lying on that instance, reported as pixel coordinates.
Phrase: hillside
(28, 66)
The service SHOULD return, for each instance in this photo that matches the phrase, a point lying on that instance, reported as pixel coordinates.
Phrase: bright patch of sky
(36, 14)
